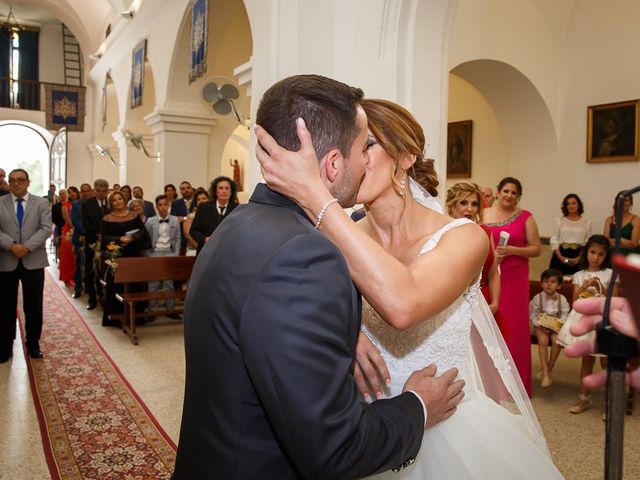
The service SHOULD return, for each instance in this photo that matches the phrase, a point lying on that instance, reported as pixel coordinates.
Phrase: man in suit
(78, 237)
(224, 198)
(93, 209)
(272, 320)
(181, 207)
(164, 232)
(149, 209)
(25, 225)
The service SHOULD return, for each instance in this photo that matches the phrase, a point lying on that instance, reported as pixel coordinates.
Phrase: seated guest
(164, 233)
(548, 303)
(224, 198)
(201, 197)
(630, 240)
(137, 207)
(170, 192)
(572, 232)
(122, 235)
(149, 209)
(126, 191)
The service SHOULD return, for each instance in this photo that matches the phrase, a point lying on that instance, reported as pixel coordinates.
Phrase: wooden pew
(149, 269)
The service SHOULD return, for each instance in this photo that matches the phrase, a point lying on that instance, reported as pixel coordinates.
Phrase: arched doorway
(26, 145)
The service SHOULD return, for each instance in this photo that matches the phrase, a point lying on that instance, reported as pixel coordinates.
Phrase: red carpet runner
(93, 424)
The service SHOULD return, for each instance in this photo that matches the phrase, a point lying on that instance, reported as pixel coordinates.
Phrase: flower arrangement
(112, 252)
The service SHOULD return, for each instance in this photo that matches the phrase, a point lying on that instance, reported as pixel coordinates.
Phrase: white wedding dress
(483, 439)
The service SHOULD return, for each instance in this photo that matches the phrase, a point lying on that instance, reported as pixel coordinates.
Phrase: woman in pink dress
(524, 243)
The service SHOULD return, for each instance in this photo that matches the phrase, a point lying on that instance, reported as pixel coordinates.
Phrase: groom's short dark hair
(327, 106)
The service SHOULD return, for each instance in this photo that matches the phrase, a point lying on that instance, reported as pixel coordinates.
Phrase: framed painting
(459, 141)
(612, 132)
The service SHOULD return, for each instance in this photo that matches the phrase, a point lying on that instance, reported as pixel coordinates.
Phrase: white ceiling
(27, 14)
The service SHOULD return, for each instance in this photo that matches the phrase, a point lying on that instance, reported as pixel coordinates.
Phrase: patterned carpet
(93, 424)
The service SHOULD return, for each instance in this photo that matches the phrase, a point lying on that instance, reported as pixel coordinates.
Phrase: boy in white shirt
(548, 303)
(164, 231)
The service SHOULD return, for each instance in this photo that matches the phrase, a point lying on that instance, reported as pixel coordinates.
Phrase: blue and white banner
(199, 21)
(64, 107)
(137, 73)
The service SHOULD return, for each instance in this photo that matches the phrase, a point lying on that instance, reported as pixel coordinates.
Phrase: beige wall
(51, 61)
(488, 149)
(562, 56)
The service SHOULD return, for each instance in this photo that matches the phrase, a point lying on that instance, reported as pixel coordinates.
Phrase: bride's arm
(402, 295)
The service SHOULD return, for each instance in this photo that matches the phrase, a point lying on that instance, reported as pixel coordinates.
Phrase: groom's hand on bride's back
(440, 394)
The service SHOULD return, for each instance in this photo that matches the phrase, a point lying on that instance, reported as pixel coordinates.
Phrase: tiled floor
(155, 369)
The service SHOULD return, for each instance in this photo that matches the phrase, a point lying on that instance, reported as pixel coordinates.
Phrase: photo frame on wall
(459, 149)
(612, 132)
(137, 73)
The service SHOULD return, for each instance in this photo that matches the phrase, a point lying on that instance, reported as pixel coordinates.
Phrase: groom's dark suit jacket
(271, 323)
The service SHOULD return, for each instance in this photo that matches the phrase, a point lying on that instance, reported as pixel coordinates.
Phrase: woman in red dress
(464, 200)
(66, 257)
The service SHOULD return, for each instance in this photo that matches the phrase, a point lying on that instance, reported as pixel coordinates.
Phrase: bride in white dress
(419, 273)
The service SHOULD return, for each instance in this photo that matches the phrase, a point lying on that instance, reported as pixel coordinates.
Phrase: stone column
(182, 139)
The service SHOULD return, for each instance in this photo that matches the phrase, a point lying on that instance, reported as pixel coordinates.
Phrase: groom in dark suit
(271, 324)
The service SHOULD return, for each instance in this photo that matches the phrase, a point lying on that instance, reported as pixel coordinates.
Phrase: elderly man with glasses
(25, 225)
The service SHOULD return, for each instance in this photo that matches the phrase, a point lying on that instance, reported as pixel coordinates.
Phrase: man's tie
(164, 221)
(221, 210)
(103, 207)
(20, 214)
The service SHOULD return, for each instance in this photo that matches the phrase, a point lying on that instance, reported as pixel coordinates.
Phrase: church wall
(574, 54)
(600, 65)
(51, 60)
(489, 152)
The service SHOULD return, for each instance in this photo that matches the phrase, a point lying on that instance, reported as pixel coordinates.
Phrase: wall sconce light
(104, 152)
(137, 141)
(127, 14)
(95, 56)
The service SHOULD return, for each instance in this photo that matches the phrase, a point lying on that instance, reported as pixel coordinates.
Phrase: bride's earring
(403, 183)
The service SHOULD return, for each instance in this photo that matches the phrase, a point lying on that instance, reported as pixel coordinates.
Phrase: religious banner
(107, 77)
(137, 73)
(64, 107)
(199, 21)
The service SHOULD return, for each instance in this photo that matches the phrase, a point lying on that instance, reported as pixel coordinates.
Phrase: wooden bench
(149, 269)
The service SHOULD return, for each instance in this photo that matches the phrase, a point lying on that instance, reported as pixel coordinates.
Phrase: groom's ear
(331, 165)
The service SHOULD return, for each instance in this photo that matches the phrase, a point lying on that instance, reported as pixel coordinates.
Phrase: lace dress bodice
(443, 339)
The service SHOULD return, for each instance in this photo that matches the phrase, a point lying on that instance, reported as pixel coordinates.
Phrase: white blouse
(557, 306)
(571, 231)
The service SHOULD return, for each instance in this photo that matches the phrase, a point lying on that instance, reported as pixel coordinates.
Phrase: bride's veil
(491, 367)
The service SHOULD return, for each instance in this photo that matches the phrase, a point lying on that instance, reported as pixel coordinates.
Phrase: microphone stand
(619, 349)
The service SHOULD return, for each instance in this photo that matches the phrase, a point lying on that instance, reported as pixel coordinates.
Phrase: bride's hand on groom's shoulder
(441, 395)
(370, 371)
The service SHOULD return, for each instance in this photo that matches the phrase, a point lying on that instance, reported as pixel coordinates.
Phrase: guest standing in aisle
(25, 225)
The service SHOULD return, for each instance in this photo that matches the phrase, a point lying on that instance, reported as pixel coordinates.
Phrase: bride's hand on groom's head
(441, 395)
(370, 371)
(293, 174)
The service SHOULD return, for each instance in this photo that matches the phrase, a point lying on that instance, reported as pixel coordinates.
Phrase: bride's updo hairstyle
(400, 134)
(461, 190)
